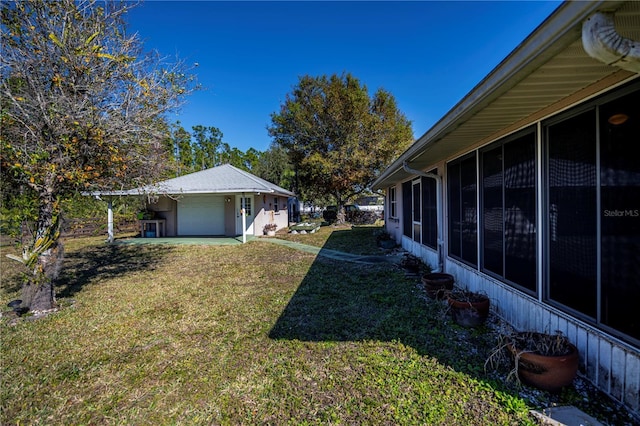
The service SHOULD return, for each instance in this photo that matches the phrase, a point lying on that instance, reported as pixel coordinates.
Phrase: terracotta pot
(437, 284)
(469, 314)
(550, 373)
(411, 265)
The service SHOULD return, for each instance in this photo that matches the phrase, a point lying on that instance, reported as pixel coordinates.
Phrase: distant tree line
(203, 148)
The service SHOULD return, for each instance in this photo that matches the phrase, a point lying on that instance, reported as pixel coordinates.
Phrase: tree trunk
(38, 295)
(341, 216)
(45, 255)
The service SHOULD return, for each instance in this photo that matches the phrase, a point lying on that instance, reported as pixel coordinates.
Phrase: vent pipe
(601, 41)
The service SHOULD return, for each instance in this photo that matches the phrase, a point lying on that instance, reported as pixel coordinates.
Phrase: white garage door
(201, 215)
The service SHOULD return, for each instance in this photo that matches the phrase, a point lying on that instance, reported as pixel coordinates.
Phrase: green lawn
(246, 334)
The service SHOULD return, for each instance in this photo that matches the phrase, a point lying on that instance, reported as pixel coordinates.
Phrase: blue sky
(428, 54)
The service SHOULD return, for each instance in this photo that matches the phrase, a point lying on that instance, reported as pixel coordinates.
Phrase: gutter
(602, 42)
(439, 209)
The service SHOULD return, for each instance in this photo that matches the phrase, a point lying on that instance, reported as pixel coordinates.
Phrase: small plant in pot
(543, 360)
(270, 229)
(468, 308)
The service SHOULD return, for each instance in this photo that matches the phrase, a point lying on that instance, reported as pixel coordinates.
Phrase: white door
(201, 215)
(247, 203)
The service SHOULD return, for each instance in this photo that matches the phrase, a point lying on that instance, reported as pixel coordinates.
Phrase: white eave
(546, 71)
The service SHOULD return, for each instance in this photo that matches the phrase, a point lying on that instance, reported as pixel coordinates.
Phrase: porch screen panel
(572, 213)
(492, 208)
(455, 215)
(407, 223)
(417, 210)
(462, 209)
(429, 215)
(469, 197)
(620, 214)
(520, 211)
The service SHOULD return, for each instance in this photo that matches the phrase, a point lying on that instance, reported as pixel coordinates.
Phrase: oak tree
(337, 136)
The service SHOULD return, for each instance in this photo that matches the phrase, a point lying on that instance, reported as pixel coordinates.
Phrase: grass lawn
(254, 333)
(356, 239)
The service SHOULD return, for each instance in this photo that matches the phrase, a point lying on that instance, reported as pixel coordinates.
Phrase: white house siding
(201, 215)
(427, 254)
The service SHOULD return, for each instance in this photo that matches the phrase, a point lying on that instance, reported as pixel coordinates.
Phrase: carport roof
(224, 179)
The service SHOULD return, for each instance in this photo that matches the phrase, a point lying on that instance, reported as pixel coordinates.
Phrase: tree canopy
(338, 138)
(83, 109)
(203, 149)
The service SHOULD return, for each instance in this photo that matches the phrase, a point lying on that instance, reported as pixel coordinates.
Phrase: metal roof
(549, 71)
(224, 179)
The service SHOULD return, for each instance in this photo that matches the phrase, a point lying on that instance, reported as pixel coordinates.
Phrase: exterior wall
(427, 254)
(166, 208)
(394, 225)
(266, 213)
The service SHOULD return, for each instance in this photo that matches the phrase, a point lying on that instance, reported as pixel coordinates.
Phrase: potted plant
(546, 361)
(437, 284)
(411, 263)
(270, 229)
(384, 240)
(468, 308)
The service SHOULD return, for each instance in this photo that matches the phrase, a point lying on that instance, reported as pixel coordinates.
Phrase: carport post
(109, 221)
(244, 219)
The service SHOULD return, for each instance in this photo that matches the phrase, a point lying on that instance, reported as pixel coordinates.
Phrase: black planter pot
(437, 284)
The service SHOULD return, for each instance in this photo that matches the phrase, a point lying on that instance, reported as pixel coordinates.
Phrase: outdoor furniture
(152, 228)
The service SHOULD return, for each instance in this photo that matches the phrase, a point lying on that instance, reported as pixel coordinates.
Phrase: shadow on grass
(81, 267)
(343, 301)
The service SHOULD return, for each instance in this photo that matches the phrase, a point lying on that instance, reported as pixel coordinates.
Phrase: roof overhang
(156, 190)
(548, 72)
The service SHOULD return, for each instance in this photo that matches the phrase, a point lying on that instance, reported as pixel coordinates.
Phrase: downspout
(601, 41)
(439, 211)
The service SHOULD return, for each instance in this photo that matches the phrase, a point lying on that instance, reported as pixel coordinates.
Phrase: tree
(337, 137)
(182, 150)
(82, 110)
(208, 143)
(273, 165)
